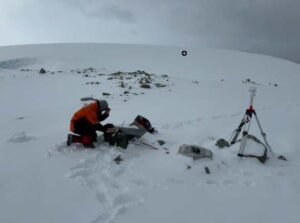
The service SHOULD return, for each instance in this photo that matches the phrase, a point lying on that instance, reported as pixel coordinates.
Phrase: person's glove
(107, 111)
(108, 128)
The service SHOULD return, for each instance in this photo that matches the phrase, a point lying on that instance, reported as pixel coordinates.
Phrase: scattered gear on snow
(222, 143)
(195, 152)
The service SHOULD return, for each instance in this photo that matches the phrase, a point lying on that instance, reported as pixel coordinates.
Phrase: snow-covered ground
(200, 97)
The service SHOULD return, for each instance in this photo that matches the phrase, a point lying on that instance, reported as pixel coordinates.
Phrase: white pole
(252, 91)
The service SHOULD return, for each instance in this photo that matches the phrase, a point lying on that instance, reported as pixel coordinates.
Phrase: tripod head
(252, 91)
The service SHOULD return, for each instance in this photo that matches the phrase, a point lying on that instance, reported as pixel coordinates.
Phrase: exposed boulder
(42, 71)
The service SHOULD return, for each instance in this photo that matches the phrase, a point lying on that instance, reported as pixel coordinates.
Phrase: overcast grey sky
(262, 26)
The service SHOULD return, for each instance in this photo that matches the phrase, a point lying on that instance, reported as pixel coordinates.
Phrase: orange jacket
(90, 112)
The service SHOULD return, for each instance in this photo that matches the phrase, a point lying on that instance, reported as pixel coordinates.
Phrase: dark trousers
(85, 129)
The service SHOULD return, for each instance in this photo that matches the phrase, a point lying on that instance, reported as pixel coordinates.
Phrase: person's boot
(69, 139)
(73, 139)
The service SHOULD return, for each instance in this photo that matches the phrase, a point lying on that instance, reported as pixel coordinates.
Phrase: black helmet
(103, 105)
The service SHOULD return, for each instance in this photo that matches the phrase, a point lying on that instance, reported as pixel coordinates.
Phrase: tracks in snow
(183, 123)
(112, 184)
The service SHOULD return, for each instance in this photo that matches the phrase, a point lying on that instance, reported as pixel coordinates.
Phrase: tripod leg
(244, 138)
(239, 129)
(242, 145)
(263, 135)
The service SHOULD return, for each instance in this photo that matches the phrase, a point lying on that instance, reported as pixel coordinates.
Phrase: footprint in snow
(177, 181)
(165, 126)
(62, 148)
(178, 125)
(139, 182)
(20, 138)
(235, 114)
(112, 184)
(212, 182)
(78, 174)
(247, 173)
(101, 197)
(249, 183)
(189, 122)
(280, 173)
(227, 182)
(217, 116)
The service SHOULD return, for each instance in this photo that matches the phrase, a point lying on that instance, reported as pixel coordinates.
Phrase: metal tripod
(244, 127)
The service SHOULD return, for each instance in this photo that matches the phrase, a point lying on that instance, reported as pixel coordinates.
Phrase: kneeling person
(86, 121)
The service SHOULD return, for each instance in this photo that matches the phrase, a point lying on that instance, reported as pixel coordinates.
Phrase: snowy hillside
(193, 99)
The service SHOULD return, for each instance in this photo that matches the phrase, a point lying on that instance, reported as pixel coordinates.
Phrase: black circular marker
(184, 53)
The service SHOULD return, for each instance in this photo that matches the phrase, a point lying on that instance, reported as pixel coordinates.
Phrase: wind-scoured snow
(195, 99)
(17, 63)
